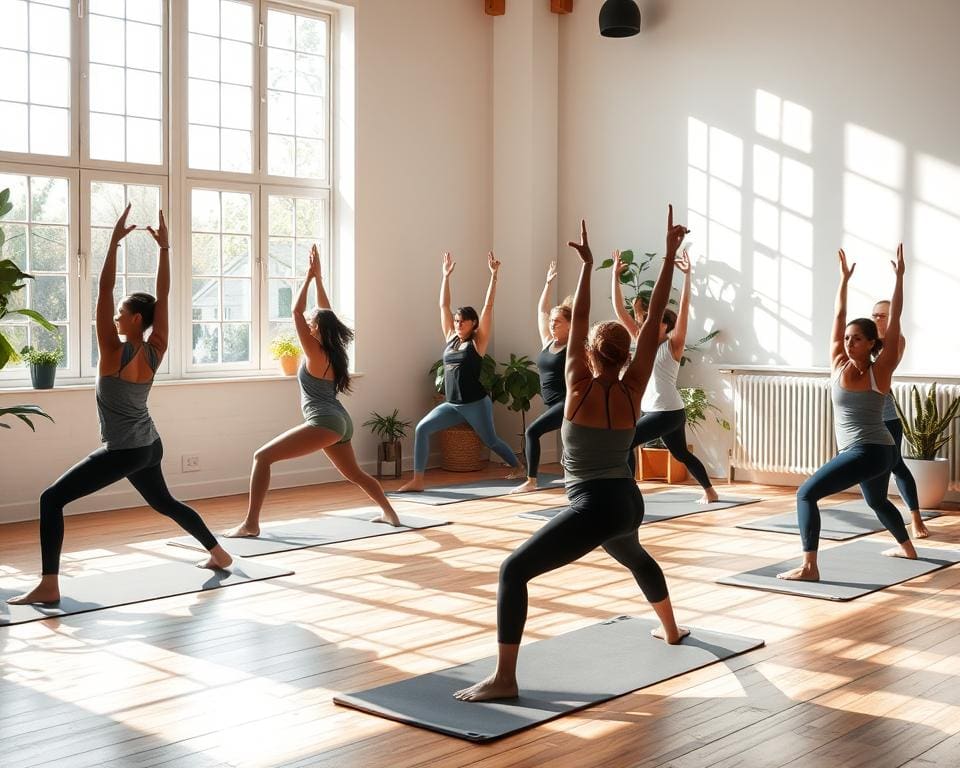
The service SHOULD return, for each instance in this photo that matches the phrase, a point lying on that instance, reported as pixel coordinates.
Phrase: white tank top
(661, 393)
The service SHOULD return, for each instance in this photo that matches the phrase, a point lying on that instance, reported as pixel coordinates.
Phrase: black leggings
(905, 482)
(603, 513)
(669, 426)
(141, 466)
(548, 421)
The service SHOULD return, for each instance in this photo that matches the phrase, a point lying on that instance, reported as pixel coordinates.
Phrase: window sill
(80, 385)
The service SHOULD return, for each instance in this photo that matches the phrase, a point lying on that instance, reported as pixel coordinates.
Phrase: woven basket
(461, 450)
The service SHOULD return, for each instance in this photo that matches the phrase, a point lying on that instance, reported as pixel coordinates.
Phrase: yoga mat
(478, 489)
(664, 505)
(848, 571)
(327, 529)
(557, 676)
(837, 523)
(108, 590)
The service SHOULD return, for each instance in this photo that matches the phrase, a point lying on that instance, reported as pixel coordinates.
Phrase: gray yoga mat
(557, 676)
(326, 529)
(848, 571)
(478, 489)
(837, 523)
(108, 590)
(664, 505)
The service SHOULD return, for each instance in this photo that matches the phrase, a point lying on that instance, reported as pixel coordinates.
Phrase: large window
(242, 172)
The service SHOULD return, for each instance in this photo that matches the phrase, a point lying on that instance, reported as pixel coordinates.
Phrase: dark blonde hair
(608, 345)
(564, 308)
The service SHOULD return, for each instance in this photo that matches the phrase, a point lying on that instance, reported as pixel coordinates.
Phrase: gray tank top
(858, 416)
(122, 405)
(318, 397)
(661, 393)
(594, 453)
(889, 409)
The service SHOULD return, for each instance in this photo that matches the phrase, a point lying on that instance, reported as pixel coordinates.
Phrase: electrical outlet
(190, 462)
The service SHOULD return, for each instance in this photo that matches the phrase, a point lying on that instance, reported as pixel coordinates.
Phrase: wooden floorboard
(246, 676)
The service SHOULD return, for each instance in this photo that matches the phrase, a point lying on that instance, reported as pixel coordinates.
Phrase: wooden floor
(245, 675)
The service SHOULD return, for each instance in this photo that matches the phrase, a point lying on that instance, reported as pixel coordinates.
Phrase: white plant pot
(933, 477)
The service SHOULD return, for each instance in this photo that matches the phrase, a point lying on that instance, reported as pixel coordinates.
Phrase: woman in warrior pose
(327, 427)
(467, 337)
(603, 391)
(554, 325)
(131, 446)
(863, 367)
(664, 415)
(905, 482)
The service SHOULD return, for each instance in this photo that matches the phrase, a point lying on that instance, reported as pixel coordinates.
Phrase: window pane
(236, 255)
(206, 300)
(143, 46)
(15, 134)
(236, 107)
(107, 137)
(143, 93)
(236, 342)
(235, 150)
(18, 195)
(204, 107)
(49, 296)
(144, 141)
(49, 131)
(206, 254)
(206, 344)
(236, 21)
(15, 244)
(280, 257)
(106, 40)
(236, 299)
(141, 252)
(204, 147)
(106, 89)
(236, 212)
(48, 200)
(48, 252)
(49, 80)
(282, 295)
(13, 84)
(311, 35)
(13, 31)
(50, 30)
(309, 217)
(205, 210)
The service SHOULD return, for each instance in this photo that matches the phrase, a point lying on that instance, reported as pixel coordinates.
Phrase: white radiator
(785, 423)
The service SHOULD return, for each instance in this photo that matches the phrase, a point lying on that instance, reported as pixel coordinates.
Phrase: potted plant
(12, 280)
(286, 349)
(515, 386)
(461, 450)
(43, 365)
(926, 433)
(391, 431)
(655, 461)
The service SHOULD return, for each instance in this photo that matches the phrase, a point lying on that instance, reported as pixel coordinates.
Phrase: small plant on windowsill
(43, 364)
(286, 349)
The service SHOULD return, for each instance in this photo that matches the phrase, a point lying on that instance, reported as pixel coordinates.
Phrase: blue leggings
(669, 426)
(868, 465)
(548, 421)
(478, 415)
(905, 482)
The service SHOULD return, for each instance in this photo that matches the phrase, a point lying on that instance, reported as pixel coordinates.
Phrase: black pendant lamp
(619, 18)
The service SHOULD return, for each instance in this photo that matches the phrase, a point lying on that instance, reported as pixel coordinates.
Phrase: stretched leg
(443, 416)
(98, 470)
(905, 482)
(151, 484)
(875, 493)
(299, 441)
(480, 416)
(650, 426)
(548, 421)
(676, 442)
(594, 517)
(345, 460)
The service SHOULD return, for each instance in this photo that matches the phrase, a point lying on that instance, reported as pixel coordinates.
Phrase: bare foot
(488, 690)
(516, 473)
(530, 485)
(919, 527)
(390, 518)
(242, 531)
(219, 559)
(710, 495)
(661, 633)
(905, 550)
(413, 485)
(803, 573)
(43, 594)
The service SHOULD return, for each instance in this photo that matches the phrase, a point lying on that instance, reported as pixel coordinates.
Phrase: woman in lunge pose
(863, 367)
(467, 337)
(606, 508)
(554, 325)
(905, 482)
(664, 415)
(327, 427)
(131, 446)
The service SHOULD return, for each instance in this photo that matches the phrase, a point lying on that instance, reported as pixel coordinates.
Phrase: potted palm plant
(43, 364)
(391, 430)
(286, 349)
(926, 433)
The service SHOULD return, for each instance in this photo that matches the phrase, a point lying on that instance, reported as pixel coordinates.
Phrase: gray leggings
(478, 415)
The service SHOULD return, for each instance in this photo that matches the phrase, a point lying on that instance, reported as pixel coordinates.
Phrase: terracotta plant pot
(289, 365)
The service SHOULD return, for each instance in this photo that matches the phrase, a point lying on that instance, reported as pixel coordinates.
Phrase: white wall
(423, 185)
(877, 82)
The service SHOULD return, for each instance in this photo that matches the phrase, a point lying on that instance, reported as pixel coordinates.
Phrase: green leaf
(37, 318)
(626, 257)
(605, 264)
(7, 352)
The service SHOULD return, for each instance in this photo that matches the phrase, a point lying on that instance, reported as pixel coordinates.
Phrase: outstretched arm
(837, 356)
(322, 301)
(486, 314)
(639, 370)
(678, 336)
(446, 317)
(107, 338)
(577, 368)
(159, 334)
(308, 342)
(543, 308)
(892, 347)
(616, 294)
